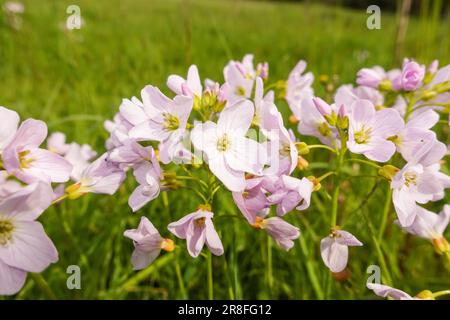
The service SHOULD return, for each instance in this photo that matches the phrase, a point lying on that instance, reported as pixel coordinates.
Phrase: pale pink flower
(291, 193)
(24, 245)
(372, 77)
(240, 83)
(313, 123)
(431, 226)
(79, 156)
(386, 291)
(148, 175)
(101, 177)
(167, 118)
(347, 94)
(148, 244)
(197, 228)
(262, 70)
(419, 181)
(334, 249)
(282, 152)
(281, 231)
(369, 130)
(191, 86)
(253, 201)
(118, 129)
(416, 134)
(229, 153)
(299, 86)
(9, 121)
(7, 186)
(130, 153)
(23, 158)
(412, 75)
(56, 143)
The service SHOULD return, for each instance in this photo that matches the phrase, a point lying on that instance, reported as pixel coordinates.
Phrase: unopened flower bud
(302, 148)
(388, 171)
(293, 119)
(324, 78)
(426, 295)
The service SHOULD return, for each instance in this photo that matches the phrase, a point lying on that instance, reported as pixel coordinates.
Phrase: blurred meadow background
(74, 80)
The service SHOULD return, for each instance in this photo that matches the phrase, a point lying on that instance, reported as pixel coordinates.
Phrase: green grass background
(75, 80)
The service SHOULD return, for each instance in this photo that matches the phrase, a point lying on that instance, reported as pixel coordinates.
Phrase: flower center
(170, 122)
(6, 230)
(24, 161)
(240, 91)
(259, 223)
(410, 178)
(223, 143)
(200, 222)
(285, 150)
(363, 135)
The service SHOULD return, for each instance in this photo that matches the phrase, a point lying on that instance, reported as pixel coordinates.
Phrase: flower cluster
(208, 137)
(32, 178)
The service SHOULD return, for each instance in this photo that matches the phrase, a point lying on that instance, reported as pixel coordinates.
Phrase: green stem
(364, 162)
(384, 217)
(335, 202)
(311, 270)
(180, 280)
(409, 108)
(269, 264)
(321, 146)
(322, 177)
(43, 285)
(59, 199)
(441, 293)
(210, 276)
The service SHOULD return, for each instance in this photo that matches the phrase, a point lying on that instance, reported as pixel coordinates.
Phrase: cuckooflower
(386, 291)
(334, 249)
(412, 75)
(419, 181)
(191, 86)
(167, 121)
(148, 244)
(370, 130)
(282, 152)
(101, 177)
(56, 143)
(79, 156)
(23, 158)
(148, 175)
(24, 245)
(229, 153)
(431, 226)
(253, 201)
(416, 133)
(291, 193)
(298, 87)
(197, 228)
(9, 121)
(281, 231)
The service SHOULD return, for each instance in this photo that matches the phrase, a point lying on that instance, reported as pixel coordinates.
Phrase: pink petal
(30, 249)
(11, 279)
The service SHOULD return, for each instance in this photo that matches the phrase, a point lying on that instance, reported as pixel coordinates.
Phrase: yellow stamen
(6, 230)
